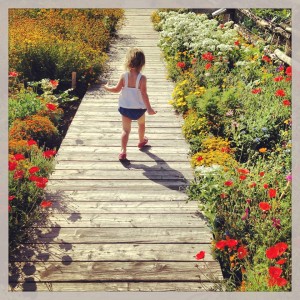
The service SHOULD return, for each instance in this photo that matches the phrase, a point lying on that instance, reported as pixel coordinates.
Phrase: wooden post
(73, 80)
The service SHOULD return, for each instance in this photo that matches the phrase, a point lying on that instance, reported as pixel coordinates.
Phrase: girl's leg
(126, 124)
(141, 122)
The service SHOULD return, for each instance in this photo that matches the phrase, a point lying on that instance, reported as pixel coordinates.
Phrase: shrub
(38, 128)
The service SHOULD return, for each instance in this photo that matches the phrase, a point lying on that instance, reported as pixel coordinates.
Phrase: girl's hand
(151, 111)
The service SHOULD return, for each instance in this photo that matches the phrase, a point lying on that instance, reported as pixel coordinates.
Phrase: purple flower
(276, 223)
(289, 177)
(245, 216)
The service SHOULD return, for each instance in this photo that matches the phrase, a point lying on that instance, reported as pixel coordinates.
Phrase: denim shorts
(132, 113)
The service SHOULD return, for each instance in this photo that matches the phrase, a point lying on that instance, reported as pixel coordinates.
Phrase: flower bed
(53, 43)
(236, 104)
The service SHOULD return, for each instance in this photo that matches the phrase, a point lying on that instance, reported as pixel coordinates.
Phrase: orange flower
(262, 150)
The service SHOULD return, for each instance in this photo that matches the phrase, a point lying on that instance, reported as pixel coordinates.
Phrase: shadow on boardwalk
(153, 171)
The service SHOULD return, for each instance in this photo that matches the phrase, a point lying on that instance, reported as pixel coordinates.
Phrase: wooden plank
(98, 128)
(65, 235)
(123, 220)
(87, 165)
(114, 149)
(111, 252)
(121, 271)
(116, 286)
(136, 174)
(132, 143)
(132, 157)
(124, 207)
(159, 194)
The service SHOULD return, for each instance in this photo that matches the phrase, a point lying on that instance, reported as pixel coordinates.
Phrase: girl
(133, 100)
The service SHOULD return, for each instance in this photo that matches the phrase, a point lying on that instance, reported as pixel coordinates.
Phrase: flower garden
(235, 98)
(45, 47)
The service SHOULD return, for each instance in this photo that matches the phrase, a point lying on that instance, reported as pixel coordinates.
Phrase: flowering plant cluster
(33, 132)
(239, 129)
(53, 43)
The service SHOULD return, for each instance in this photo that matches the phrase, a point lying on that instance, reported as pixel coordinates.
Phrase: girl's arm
(115, 89)
(143, 88)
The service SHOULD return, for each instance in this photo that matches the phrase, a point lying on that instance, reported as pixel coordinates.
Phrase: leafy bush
(52, 43)
(38, 128)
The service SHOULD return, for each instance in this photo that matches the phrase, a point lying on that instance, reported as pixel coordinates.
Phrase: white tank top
(131, 97)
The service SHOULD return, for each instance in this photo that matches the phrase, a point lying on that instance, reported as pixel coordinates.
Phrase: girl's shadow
(160, 173)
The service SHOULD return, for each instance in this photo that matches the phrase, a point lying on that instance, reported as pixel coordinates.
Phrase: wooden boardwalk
(120, 226)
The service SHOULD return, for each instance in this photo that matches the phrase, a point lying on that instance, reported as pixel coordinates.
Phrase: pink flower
(289, 177)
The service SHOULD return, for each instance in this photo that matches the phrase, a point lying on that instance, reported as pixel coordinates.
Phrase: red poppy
(19, 157)
(49, 153)
(272, 193)
(208, 56)
(221, 244)
(288, 71)
(41, 182)
(286, 102)
(281, 281)
(252, 184)
(288, 79)
(34, 170)
(200, 255)
(237, 43)
(45, 203)
(13, 74)
(12, 165)
(242, 252)
(181, 64)
(281, 261)
(272, 252)
(225, 149)
(51, 106)
(231, 243)
(243, 171)
(207, 66)
(280, 93)
(223, 195)
(54, 83)
(256, 91)
(31, 142)
(19, 174)
(281, 246)
(243, 177)
(228, 183)
(9, 208)
(33, 178)
(275, 272)
(199, 158)
(264, 206)
(266, 58)
(10, 198)
(278, 78)
(265, 186)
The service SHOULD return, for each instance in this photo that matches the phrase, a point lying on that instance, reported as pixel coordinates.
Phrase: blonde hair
(135, 58)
